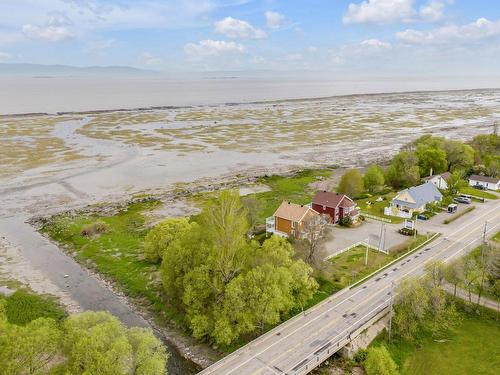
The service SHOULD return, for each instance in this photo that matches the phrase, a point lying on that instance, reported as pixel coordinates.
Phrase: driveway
(369, 231)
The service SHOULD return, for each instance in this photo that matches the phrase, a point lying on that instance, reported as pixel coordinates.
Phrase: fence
(360, 243)
(379, 218)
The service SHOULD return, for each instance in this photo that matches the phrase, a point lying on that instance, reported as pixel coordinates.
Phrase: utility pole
(484, 231)
(380, 237)
(366, 254)
(390, 309)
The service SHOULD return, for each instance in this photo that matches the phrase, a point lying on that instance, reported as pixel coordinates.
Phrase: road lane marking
(321, 314)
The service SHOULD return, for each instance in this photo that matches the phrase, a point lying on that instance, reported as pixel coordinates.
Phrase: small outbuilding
(452, 208)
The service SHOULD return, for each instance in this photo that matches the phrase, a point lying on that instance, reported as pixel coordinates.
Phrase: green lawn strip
(395, 254)
(22, 307)
(459, 215)
(477, 193)
(469, 348)
(117, 254)
(377, 208)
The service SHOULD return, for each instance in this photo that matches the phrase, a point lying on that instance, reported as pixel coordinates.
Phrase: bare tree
(313, 235)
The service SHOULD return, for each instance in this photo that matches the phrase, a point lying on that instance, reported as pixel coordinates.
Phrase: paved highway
(301, 343)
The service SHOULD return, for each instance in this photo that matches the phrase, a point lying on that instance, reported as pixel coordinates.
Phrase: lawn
(372, 207)
(470, 348)
(293, 188)
(478, 193)
(22, 307)
(117, 253)
(496, 237)
(350, 267)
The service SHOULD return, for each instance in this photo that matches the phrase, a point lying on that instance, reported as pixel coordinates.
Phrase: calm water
(26, 95)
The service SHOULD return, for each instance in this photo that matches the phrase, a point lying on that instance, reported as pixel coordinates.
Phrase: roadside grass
(469, 348)
(117, 254)
(496, 237)
(349, 267)
(478, 193)
(377, 208)
(22, 307)
(458, 215)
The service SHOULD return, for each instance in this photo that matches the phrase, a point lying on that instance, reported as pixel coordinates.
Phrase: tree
(454, 274)
(313, 233)
(224, 223)
(431, 158)
(28, 349)
(374, 179)
(442, 315)
(455, 182)
(379, 362)
(253, 207)
(161, 237)
(149, 354)
(96, 343)
(351, 183)
(471, 273)
(404, 170)
(410, 307)
(458, 155)
(435, 272)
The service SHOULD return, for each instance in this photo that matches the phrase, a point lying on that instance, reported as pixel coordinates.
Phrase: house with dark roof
(490, 183)
(439, 180)
(289, 219)
(414, 199)
(335, 205)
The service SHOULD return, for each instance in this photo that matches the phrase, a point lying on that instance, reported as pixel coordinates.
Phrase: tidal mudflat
(95, 156)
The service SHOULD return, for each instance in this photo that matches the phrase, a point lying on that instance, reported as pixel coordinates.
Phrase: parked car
(479, 187)
(422, 217)
(462, 200)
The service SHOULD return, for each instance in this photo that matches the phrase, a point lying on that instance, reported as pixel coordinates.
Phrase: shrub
(23, 307)
(360, 356)
(408, 231)
(379, 362)
(346, 221)
(95, 228)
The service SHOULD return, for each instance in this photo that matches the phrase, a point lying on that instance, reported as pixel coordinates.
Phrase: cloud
(234, 28)
(376, 44)
(4, 56)
(47, 33)
(208, 47)
(387, 11)
(432, 11)
(482, 28)
(150, 59)
(274, 20)
(379, 11)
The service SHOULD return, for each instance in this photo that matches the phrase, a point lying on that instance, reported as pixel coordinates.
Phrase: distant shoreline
(270, 101)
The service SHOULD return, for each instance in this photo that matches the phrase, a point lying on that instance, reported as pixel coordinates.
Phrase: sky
(349, 37)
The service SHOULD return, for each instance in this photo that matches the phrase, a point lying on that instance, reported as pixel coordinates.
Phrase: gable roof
(329, 199)
(422, 194)
(292, 211)
(492, 180)
(445, 176)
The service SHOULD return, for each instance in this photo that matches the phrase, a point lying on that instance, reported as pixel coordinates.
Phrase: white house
(412, 200)
(439, 180)
(490, 183)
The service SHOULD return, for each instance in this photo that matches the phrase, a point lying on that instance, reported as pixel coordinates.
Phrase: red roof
(329, 199)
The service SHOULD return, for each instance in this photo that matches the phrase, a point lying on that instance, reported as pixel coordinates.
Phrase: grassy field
(372, 207)
(22, 307)
(470, 348)
(478, 193)
(350, 267)
(293, 188)
(496, 237)
(117, 253)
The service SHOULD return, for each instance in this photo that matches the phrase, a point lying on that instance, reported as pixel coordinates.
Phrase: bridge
(302, 343)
